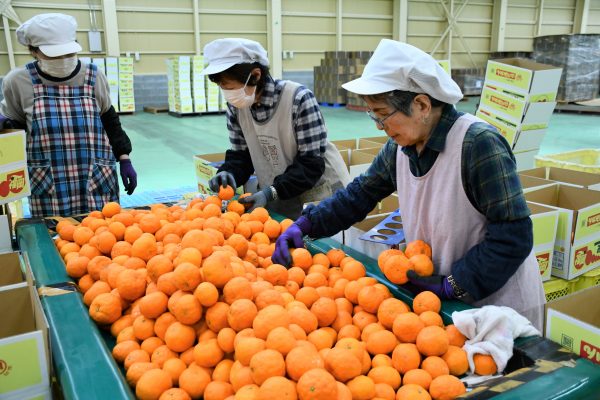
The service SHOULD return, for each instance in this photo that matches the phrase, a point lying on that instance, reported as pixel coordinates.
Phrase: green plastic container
(556, 288)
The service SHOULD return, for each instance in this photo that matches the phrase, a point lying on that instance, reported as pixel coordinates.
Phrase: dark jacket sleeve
(118, 139)
(239, 163)
(302, 175)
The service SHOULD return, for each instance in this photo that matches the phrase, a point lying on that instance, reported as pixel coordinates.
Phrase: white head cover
(222, 54)
(53, 33)
(400, 66)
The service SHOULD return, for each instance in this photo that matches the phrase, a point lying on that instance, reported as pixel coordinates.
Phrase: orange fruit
(194, 381)
(362, 388)
(180, 337)
(418, 377)
(136, 370)
(281, 339)
(484, 364)
(208, 353)
(385, 255)
(105, 308)
(369, 298)
(157, 266)
(335, 257)
(381, 342)
(218, 390)
(241, 314)
(187, 309)
(134, 357)
(200, 240)
(436, 366)
(455, 337)
(407, 326)
(82, 235)
(77, 266)
(325, 310)
(175, 394)
(405, 357)
(268, 319)
(389, 309)
(412, 391)
(456, 359)
(217, 269)
(96, 289)
(131, 284)
(396, 267)
(216, 316)
(301, 258)
(426, 301)
(417, 247)
(237, 288)
(207, 294)
(342, 364)
(111, 209)
(300, 360)
(422, 264)
(276, 387)
(186, 276)
(153, 304)
(152, 384)
(386, 374)
(317, 384)
(246, 348)
(226, 192)
(431, 318)
(265, 364)
(446, 387)
(432, 341)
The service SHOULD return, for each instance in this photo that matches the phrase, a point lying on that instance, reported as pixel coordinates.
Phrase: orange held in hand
(226, 192)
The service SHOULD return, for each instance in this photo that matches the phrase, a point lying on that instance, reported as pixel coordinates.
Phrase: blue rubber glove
(437, 284)
(292, 236)
(128, 175)
(222, 178)
(258, 199)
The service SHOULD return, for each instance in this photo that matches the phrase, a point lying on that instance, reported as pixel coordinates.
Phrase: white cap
(222, 54)
(53, 33)
(400, 66)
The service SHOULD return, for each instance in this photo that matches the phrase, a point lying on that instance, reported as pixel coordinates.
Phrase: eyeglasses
(380, 121)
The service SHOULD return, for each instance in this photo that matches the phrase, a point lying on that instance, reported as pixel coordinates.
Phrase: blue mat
(142, 198)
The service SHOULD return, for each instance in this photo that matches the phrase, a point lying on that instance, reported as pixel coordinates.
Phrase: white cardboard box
(545, 224)
(577, 245)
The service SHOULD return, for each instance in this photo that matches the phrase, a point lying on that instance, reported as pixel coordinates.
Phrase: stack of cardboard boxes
(198, 84)
(518, 98)
(579, 57)
(337, 68)
(24, 347)
(180, 85)
(119, 74)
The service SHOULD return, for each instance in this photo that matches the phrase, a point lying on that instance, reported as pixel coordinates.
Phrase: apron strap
(33, 74)
(90, 75)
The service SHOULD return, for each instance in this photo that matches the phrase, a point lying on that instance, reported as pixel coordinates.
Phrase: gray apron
(273, 147)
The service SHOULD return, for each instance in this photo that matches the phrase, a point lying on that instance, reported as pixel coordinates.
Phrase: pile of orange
(199, 311)
(396, 263)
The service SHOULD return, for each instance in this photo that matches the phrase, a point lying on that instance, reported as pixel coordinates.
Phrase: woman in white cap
(457, 186)
(74, 135)
(276, 130)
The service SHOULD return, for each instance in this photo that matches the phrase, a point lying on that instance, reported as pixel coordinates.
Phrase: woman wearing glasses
(276, 130)
(457, 185)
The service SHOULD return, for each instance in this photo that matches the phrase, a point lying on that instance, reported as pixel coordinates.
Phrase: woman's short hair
(401, 100)
(240, 72)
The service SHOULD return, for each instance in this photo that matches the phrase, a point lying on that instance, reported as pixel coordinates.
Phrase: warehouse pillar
(111, 28)
(400, 20)
(274, 37)
(498, 25)
(196, 7)
(339, 27)
(540, 17)
(582, 8)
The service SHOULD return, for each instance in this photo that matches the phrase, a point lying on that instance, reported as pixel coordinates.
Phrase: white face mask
(238, 97)
(58, 67)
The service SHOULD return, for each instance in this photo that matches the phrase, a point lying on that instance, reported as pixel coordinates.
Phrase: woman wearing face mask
(276, 130)
(74, 135)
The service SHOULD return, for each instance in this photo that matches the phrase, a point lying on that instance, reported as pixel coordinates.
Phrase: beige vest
(435, 209)
(273, 147)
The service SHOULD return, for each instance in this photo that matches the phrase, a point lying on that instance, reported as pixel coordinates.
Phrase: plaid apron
(72, 169)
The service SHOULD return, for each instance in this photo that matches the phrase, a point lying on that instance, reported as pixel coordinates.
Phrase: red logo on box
(4, 368)
(585, 256)
(590, 352)
(505, 74)
(543, 261)
(16, 181)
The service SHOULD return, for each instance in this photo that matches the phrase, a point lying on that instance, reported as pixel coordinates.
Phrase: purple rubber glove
(292, 236)
(437, 284)
(128, 175)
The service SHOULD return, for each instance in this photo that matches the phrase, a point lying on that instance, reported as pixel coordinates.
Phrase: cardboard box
(536, 82)
(525, 159)
(206, 166)
(529, 183)
(14, 175)
(568, 177)
(545, 224)
(577, 245)
(6, 231)
(361, 159)
(515, 108)
(24, 351)
(371, 142)
(12, 271)
(574, 322)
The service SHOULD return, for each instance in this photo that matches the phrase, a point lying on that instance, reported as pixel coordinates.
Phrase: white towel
(492, 330)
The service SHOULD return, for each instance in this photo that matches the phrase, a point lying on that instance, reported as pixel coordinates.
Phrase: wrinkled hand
(258, 199)
(292, 236)
(222, 178)
(128, 175)
(437, 284)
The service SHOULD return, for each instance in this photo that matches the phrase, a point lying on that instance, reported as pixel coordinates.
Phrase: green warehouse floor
(163, 145)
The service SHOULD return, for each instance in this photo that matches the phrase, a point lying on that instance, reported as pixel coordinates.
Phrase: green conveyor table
(85, 369)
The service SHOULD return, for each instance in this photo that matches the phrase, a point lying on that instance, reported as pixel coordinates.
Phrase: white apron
(273, 147)
(435, 209)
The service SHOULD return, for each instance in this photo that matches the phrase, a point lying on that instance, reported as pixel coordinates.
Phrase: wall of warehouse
(158, 29)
